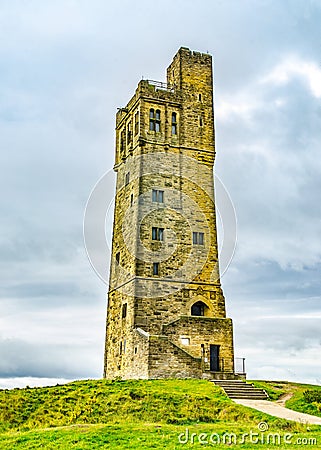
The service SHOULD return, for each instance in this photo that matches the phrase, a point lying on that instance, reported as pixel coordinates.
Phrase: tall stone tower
(166, 310)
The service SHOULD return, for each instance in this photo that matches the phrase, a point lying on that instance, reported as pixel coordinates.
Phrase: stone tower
(166, 310)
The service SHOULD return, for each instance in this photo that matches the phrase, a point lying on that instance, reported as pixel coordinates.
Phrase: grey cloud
(282, 333)
(22, 359)
(65, 68)
(268, 280)
(41, 289)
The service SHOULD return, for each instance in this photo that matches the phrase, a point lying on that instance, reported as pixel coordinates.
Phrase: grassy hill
(140, 414)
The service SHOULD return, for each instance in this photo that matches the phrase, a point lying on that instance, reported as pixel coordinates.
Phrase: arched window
(198, 309)
(154, 120)
(157, 120)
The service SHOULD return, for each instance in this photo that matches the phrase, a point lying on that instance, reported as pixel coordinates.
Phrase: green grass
(274, 389)
(102, 401)
(134, 414)
(151, 436)
(298, 402)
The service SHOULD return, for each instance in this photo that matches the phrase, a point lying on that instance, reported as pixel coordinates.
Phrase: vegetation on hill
(274, 389)
(302, 397)
(115, 402)
(135, 414)
(306, 400)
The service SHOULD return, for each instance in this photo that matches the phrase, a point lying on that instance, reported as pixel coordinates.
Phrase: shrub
(311, 396)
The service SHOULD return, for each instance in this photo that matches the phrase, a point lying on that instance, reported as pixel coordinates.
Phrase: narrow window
(136, 123)
(157, 234)
(127, 178)
(154, 234)
(174, 123)
(122, 142)
(155, 268)
(124, 310)
(198, 238)
(157, 196)
(199, 97)
(152, 120)
(129, 132)
(117, 257)
(201, 121)
(135, 350)
(131, 199)
(121, 347)
(157, 121)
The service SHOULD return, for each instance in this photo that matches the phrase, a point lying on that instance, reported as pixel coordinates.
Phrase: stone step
(249, 386)
(253, 391)
(235, 386)
(248, 394)
(236, 383)
(258, 392)
(241, 389)
(248, 397)
(229, 382)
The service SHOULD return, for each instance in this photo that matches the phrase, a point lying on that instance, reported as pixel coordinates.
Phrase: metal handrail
(223, 363)
(240, 365)
(161, 85)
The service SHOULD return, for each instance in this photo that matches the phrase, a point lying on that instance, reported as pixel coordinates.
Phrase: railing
(159, 85)
(239, 365)
(217, 364)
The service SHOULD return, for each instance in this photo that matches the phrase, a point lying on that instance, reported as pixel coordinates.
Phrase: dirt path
(276, 409)
(281, 401)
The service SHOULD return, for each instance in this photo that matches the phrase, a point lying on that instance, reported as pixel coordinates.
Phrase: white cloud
(22, 382)
(237, 105)
(292, 67)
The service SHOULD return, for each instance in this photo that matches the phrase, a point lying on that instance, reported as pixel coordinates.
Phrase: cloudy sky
(65, 68)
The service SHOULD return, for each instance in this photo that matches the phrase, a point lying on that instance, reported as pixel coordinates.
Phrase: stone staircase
(241, 389)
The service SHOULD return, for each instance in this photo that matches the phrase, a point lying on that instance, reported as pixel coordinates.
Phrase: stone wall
(181, 165)
(202, 332)
(166, 360)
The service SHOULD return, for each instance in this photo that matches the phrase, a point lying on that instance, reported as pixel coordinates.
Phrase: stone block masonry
(166, 309)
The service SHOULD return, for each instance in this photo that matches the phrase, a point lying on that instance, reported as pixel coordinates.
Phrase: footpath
(277, 410)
